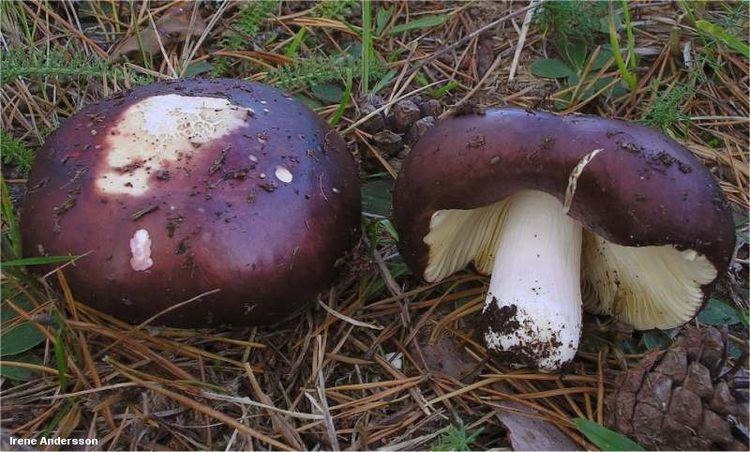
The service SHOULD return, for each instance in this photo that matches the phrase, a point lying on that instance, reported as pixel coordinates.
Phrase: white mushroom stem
(533, 305)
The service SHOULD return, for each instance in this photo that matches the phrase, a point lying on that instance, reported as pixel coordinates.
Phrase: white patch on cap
(158, 130)
(140, 248)
(283, 174)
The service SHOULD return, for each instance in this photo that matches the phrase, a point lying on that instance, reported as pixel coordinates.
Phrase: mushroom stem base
(532, 313)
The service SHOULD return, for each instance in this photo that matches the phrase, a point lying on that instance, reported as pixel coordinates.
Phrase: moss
(15, 153)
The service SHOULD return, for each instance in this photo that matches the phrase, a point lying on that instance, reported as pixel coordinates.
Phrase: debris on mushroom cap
(178, 188)
(657, 230)
(283, 174)
(140, 248)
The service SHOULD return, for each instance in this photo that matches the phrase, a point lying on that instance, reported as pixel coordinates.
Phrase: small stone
(405, 113)
(431, 107)
(419, 128)
(374, 124)
(388, 142)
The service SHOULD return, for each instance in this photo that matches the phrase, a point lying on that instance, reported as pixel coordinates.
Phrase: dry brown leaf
(525, 432)
(173, 26)
(447, 356)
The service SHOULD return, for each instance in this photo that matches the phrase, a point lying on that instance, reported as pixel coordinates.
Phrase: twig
(328, 420)
(476, 87)
(471, 35)
(522, 37)
(346, 318)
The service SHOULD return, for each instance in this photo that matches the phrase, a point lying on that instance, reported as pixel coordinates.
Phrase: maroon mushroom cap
(632, 189)
(178, 188)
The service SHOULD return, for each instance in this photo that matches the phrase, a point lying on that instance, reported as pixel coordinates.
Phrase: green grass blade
(630, 61)
(604, 438)
(387, 78)
(390, 228)
(291, 51)
(61, 359)
(423, 22)
(27, 32)
(443, 90)
(626, 75)
(344, 100)
(367, 52)
(42, 260)
(14, 234)
(52, 425)
(687, 7)
(724, 37)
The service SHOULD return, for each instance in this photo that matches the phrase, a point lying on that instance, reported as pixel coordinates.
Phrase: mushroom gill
(540, 265)
(647, 287)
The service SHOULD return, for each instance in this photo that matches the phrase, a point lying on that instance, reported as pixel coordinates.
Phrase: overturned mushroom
(564, 212)
(178, 188)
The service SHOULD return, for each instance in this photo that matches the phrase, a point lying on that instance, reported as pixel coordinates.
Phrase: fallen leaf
(526, 432)
(173, 26)
(446, 356)
(485, 55)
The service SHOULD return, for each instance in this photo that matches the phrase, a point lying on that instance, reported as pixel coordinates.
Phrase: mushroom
(564, 212)
(173, 190)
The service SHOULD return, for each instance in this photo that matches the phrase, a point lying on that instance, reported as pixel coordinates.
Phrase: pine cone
(684, 398)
